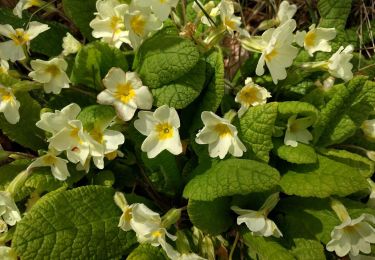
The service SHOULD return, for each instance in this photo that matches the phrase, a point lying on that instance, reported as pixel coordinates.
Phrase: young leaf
(231, 177)
(256, 129)
(79, 223)
(213, 217)
(93, 62)
(326, 178)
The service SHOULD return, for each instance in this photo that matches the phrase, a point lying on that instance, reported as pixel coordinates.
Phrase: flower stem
(234, 245)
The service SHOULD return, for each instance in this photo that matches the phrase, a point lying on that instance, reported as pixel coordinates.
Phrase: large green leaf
(213, 217)
(81, 13)
(182, 91)
(230, 177)
(25, 131)
(343, 114)
(75, 224)
(325, 178)
(146, 252)
(302, 154)
(256, 129)
(48, 43)
(164, 58)
(93, 62)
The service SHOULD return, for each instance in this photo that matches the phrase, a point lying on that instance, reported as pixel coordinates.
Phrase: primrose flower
(352, 235)
(7, 253)
(257, 221)
(278, 52)
(220, 135)
(26, 4)
(70, 45)
(8, 209)
(297, 131)
(339, 64)
(316, 39)
(51, 73)
(9, 105)
(125, 92)
(161, 128)
(54, 122)
(251, 95)
(14, 49)
(210, 8)
(161, 9)
(58, 165)
(109, 22)
(231, 22)
(127, 209)
(286, 12)
(4, 66)
(140, 23)
(368, 128)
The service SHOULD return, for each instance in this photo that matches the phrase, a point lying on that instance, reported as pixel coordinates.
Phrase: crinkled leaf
(146, 252)
(164, 58)
(48, 43)
(342, 115)
(29, 115)
(81, 13)
(307, 249)
(288, 108)
(230, 177)
(93, 62)
(213, 217)
(182, 91)
(256, 129)
(75, 224)
(264, 248)
(302, 154)
(325, 178)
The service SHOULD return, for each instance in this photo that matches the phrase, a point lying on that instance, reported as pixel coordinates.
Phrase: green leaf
(307, 249)
(288, 108)
(75, 224)
(95, 116)
(182, 91)
(256, 129)
(325, 178)
(29, 115)
(213, 217)
(146, 252)
(342, 115)
(231, 177)
(48, 43)
(9, 171)
(164, 58)
(94, 61)
(81, 13)
(302, 154)
(263, 248)
(170, 174)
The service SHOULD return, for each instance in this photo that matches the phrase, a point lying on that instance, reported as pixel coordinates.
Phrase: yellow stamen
(230, 23)
(310, 39)
(125, 92)
(117, 24)
(248, 95)
(164, 130)
(223, 130)
(128, 214)
(20, 37)
(137, 23)
(53, 70)
(157, 233)
(271, 55)
(6, 96)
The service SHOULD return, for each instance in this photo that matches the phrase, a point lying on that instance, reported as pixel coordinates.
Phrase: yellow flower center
(53, 70)
(20, 37)
(223, 130)
(97, 134)
(117, 24)
(162, 1)
(271, 55)
(125, 92)
(49, 159)
(128, 214)
(248, 95)
(230, 23)
(310, 39)
(164, 130)
(137, 24)
(157, 233)
(6, 96)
